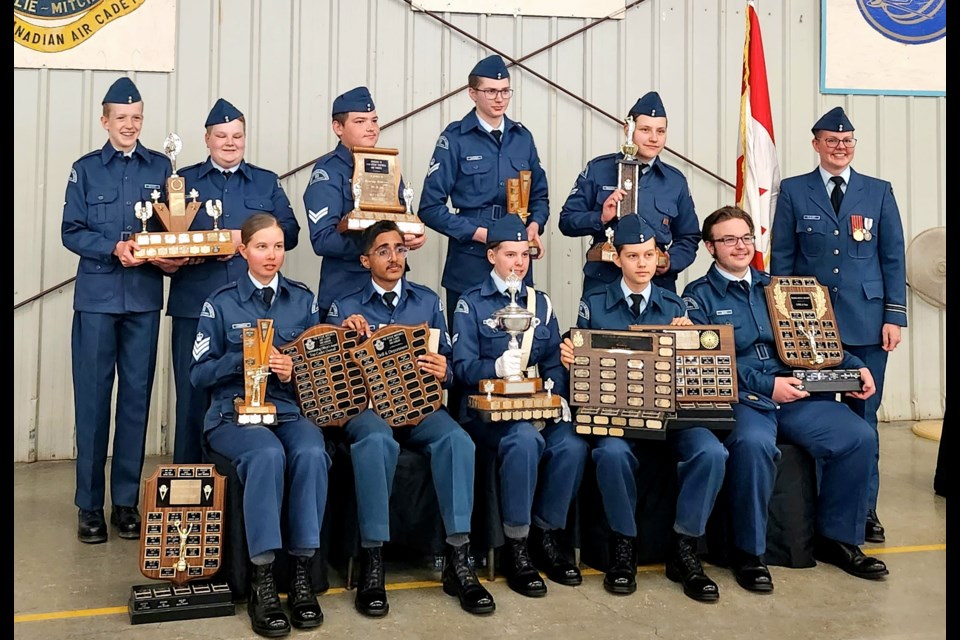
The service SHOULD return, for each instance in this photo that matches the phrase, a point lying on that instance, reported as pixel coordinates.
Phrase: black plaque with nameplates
(622, 382)
(329, 385)
(706, 375)
(181, 542)
(807, 335)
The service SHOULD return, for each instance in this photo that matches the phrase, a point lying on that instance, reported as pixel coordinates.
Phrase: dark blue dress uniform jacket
(607, 309)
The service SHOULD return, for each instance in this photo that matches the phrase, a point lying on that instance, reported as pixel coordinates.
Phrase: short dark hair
(723, 214)
(473, 81)
(257, 222)
(370, 233)
(341, 117)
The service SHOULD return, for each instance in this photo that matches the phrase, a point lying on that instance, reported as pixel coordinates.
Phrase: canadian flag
(758, 173)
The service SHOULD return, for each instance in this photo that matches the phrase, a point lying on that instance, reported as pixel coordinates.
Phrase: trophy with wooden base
(628, 178)
(516, 396)
(176, 216)
(807, 335)
(181, 543)
(376, 181)
(253, 407)
(518, 202)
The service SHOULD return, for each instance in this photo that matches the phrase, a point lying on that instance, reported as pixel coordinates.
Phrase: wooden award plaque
(622, 382)
(376, 181)
(399, 391)
(253, 408)
(181, 541)
(705, 373)
(806, 333)
(329, 385)
(518, 201)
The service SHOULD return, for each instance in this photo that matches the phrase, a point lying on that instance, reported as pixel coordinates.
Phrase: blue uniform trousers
(540, 471)
(374, 451)
(841, 442)
(192, 403)
(104, 346)
(701, 459)
(875, 358)
(291, 455)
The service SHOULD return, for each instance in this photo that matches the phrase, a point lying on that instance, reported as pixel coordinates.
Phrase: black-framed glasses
(385, 252)
(833, 142)
(492, 94)
(731, 241)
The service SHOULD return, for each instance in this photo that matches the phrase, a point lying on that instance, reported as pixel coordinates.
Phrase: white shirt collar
(219, 168)
(826, 175)
(486, 126)
(273, 284)
(748, 277)
(397, 289)
(627, 292)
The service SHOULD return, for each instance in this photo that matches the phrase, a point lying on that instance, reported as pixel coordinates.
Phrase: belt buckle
(496, 212)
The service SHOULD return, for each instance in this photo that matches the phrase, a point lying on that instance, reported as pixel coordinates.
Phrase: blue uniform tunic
(840, 441)
(471, 169)
(328, 198)
(374, 445)
(245, 192)
(866, 280)
(291, 453)
(663, 200)
(540, 471)
(116, 318)
(700, 455)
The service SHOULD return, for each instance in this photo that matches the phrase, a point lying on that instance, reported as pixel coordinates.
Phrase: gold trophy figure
(518, 201)
(628, 179)
(252, 408)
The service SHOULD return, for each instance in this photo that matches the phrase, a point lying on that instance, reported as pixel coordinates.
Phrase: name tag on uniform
(607, 187)
(241, 325)
(471, 158)
(724, 312)
(151, 186)
(808, 217)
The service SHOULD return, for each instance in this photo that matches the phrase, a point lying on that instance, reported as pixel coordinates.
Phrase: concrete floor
(68, 590)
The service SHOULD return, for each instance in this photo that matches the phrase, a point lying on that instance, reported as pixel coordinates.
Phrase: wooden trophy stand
(181, 542)
(376, 180)
(518, 202)
(253, 408)
(807, 335)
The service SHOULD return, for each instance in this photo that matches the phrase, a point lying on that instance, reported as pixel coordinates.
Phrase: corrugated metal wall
(283, 61)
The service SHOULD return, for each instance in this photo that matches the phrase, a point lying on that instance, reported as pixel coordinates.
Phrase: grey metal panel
(282, 63)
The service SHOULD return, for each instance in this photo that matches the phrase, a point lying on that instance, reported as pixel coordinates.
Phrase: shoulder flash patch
(691, 303)
(315, 307)
(443, 143)
(207, 311)
(318, 176)
(584, 311)
(462, 307)
(73, 174)
(334, 311)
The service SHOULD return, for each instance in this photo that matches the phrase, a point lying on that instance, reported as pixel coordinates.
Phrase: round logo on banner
(906, 21)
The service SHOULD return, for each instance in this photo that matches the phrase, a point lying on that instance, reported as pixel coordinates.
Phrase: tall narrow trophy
(515, 396)
(253, 407)
(181, 543)
(518, 201)
(376, 181)
(176, 216)
(628, 179)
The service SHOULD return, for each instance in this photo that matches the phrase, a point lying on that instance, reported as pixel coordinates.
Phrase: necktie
(637, 305)
(836, 196)
(390, 299)
(266, 293)
(497, 134)
(744, 285)
(642, 168)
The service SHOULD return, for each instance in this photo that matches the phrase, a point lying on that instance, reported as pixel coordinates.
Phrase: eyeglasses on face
(731, 241)
(385, 252)
(492, 94)
(833, 142)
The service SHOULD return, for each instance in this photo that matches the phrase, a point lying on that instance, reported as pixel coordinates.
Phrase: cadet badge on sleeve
(462, 307)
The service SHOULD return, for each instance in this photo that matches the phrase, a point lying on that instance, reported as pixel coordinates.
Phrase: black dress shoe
(305, 612)
(621, 576)
(91, 526)
(848, 557)
(684, 566)
(751, 572)
(521, 575)
(371, 597)
(266, 615)
(873, 531)
(550, 558)
(127, 522)
(459, 579)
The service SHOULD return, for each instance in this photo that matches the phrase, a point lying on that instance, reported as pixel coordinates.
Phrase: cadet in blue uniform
(116, 303)
(844, 228)
(329, 197)
(470, 166)
(540, 466)
(389, 298)
(635, 300)
(663, 200)
(243, 189)
(290, 453)
(771, 406)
